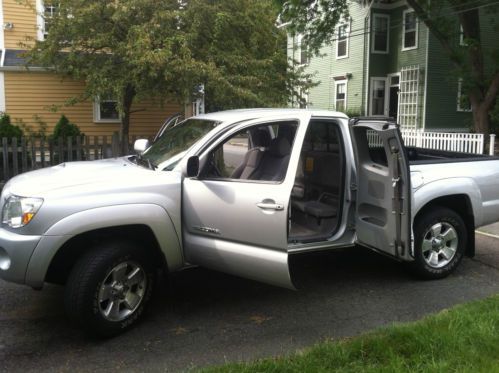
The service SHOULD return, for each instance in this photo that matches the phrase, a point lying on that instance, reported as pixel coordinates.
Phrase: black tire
(82, 293)
(422, 234)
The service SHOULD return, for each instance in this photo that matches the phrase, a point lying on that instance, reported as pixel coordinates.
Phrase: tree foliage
(475, 62)
(143, 49)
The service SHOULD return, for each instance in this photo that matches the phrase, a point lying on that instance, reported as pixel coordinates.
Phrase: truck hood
(84, 177)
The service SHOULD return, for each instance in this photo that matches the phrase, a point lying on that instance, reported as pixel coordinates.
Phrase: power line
(397, 25)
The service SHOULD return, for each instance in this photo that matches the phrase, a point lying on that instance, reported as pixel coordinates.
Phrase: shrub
(64, 128)
(7, 129)
(352, 113)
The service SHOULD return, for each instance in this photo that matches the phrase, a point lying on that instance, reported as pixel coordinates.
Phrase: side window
(261, 153)
(376, 149)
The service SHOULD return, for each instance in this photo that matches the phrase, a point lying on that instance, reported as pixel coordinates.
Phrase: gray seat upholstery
(325, 176)
(274, 163)
(261, 140)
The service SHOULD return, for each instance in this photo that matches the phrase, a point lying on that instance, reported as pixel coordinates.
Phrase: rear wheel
(109, 287)
(440, 242)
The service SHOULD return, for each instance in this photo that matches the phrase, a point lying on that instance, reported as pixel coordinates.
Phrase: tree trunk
(481, 119)
(128, 97)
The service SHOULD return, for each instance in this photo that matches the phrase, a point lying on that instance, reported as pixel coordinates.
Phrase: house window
(380, 36)
(340, 95)
(378, 94)
(463, 101)
(462, 39)
(303, 50)
(106, 110)
(342, 41)
(410, 30)
(49, 11)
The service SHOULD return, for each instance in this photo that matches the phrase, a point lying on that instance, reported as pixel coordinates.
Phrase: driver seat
(253, 157)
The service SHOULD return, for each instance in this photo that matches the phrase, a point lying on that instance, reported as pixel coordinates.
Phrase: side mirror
(140, 145)
(193, 166)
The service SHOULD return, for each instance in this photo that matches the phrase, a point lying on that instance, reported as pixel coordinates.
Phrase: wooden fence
(26, 154)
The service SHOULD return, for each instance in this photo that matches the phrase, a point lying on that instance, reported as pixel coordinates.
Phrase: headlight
(19, 211)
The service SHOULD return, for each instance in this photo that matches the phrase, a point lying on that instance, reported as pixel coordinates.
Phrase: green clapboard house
(384, 62)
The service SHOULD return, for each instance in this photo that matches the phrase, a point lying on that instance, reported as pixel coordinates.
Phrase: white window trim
(385, 106)
(403, 31)
(40, 22)
(336, 83)
(298, 47)
(2, 93)
(386, 16)
(347, 24)
(461, 37)
(459, 95)
(97, 118)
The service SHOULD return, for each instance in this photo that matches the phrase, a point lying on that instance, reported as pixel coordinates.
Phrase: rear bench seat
(324, 176)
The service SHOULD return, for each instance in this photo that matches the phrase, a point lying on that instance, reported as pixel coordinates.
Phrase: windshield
(176, 140)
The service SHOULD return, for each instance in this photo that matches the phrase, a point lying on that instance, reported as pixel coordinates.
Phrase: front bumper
(15, 253)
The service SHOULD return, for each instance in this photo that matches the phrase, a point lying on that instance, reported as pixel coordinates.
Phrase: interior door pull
(270, 206)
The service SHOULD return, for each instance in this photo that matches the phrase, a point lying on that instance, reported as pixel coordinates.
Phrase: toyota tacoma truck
(241, 192)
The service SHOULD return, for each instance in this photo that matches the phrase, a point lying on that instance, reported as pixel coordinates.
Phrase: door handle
(270, 206)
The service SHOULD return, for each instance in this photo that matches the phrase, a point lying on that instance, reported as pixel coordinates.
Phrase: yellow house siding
(24, 19)
(33, 93)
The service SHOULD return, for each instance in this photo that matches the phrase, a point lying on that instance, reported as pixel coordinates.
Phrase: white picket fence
(450, 141)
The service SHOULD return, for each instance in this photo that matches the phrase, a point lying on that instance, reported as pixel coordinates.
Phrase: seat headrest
(280, 147)
(260, 137)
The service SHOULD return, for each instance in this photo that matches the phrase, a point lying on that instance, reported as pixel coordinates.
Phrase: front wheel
(109, 287)
(440, 242)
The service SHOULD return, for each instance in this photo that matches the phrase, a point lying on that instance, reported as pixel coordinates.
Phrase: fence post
(15, 166)
(492, 144)
(115, 144)
(70, 149)
(5, 153)
(24, 151)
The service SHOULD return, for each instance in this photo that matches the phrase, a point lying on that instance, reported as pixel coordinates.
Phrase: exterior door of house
(393, 83)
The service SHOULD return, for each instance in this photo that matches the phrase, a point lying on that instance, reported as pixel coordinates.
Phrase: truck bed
(430, 156)
(423, 156)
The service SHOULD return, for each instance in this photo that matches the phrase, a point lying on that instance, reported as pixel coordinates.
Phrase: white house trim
(347, 39)
(403, 31)
(371, 96)
(2, 93)
(336, 83)
(2, 40)
(384, 6)
(97, 113)
(40, 23)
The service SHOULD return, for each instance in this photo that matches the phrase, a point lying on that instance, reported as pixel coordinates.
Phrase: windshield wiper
(140, 161)
(149, 163)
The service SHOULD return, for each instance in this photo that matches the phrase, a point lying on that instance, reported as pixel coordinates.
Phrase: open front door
(235, 213)
(383, 187)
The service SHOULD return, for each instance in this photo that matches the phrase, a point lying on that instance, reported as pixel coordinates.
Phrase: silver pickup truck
(240, 192)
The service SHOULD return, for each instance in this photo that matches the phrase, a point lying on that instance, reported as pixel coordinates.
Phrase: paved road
(203, 317)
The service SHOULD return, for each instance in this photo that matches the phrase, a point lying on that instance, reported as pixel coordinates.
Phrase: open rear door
(383, 187)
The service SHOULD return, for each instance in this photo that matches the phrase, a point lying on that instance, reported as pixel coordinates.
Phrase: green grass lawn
(462, 339)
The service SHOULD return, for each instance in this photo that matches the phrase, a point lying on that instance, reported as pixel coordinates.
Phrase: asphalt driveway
(202, 317)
